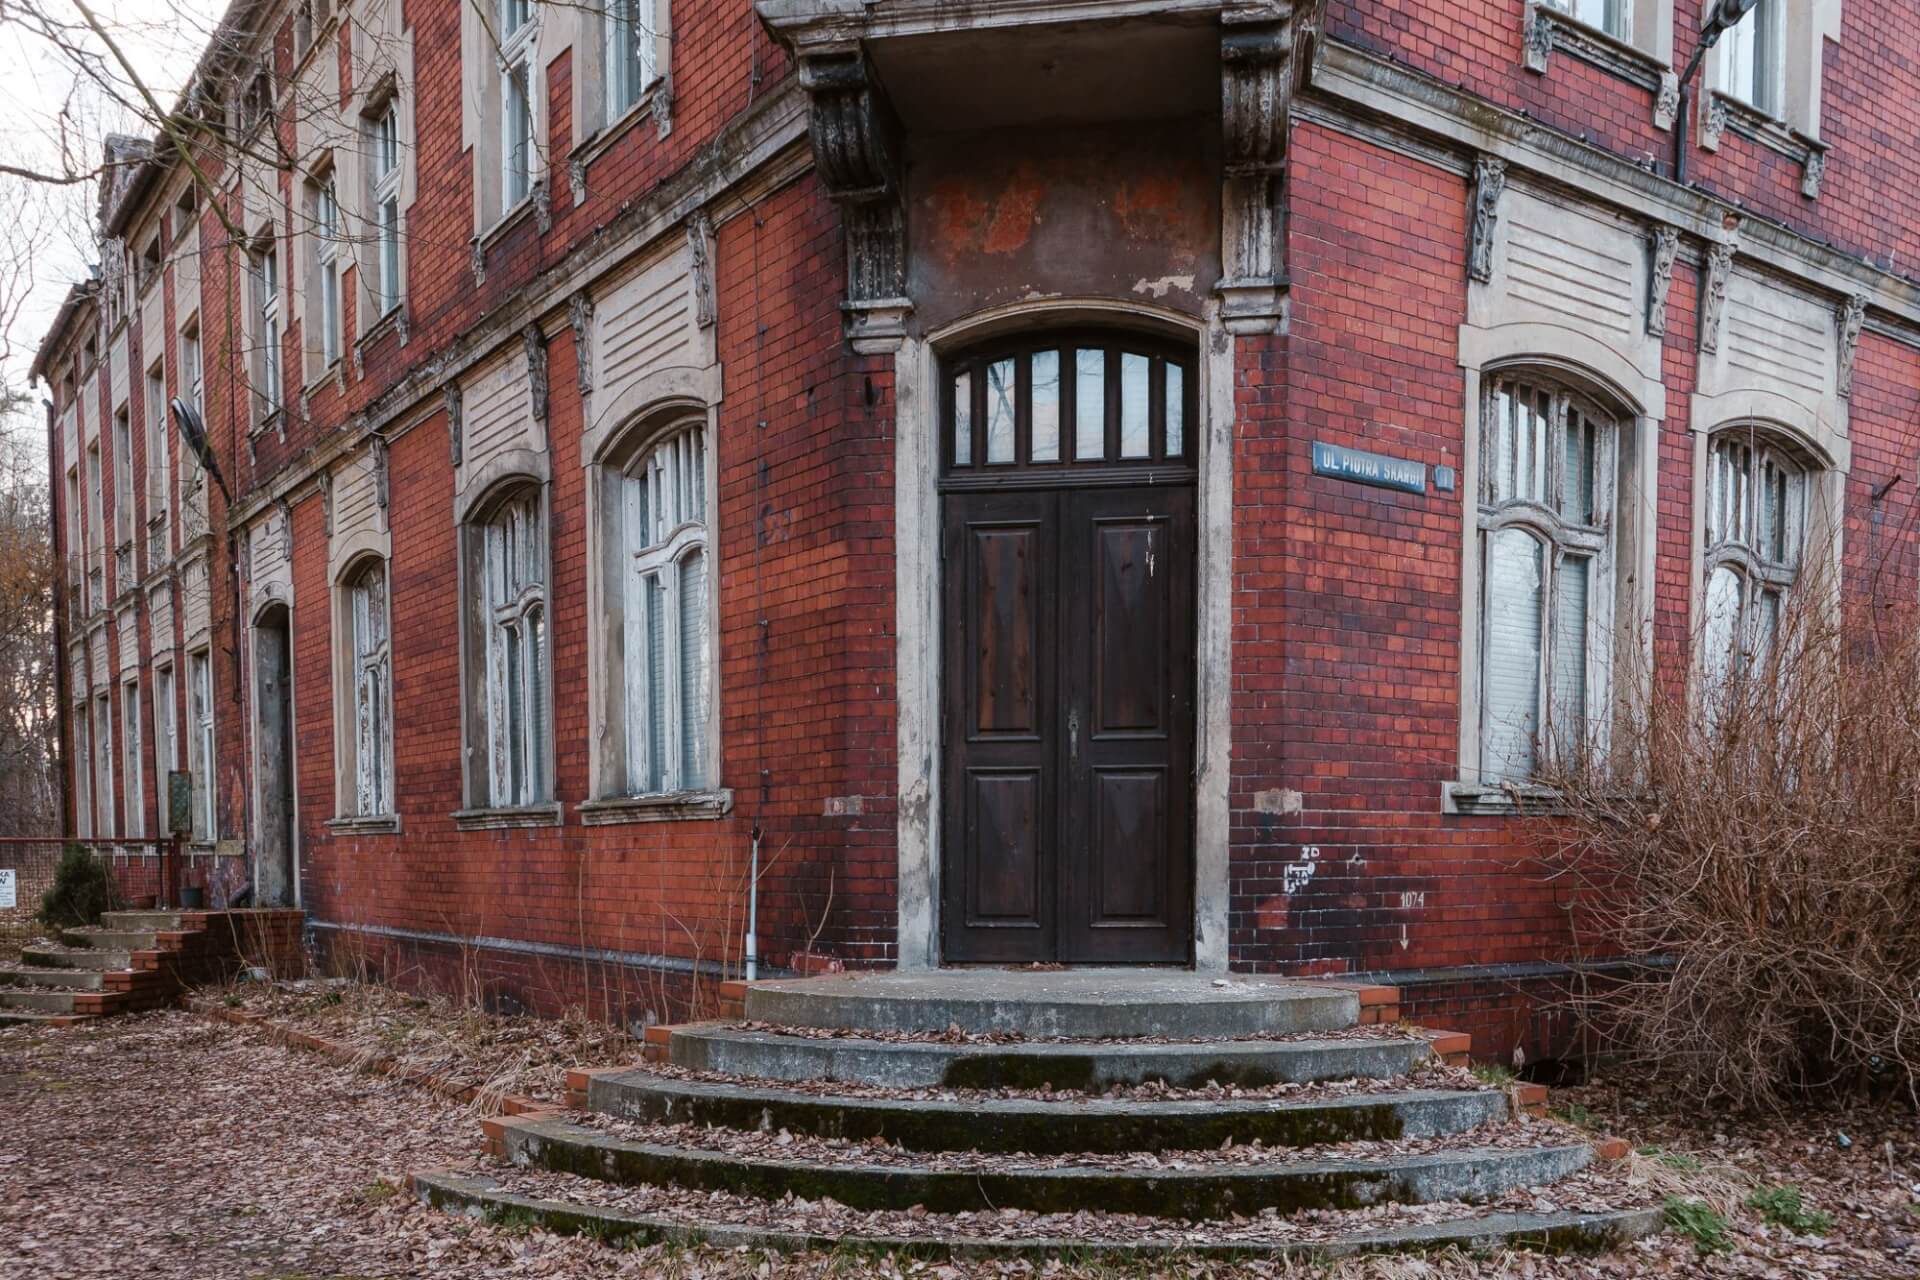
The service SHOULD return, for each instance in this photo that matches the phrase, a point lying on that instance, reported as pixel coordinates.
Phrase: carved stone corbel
(1713, 293)
(326, 500)
(1539, 39)
(455, 407)
(580, 316)
(479, 262)
(1814, 172)
(534, 343)
(1257, 77)
(542, 205)
(577, 178)
(663, 100)
(1853, 314)
(380, 473)
(1713, 121)
(856, 153)
(700, 249)
(1666, 103)
(1666, 250)
(1489, 181)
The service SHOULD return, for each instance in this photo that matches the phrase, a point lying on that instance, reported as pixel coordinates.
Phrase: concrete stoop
(132, 961)
(826, 1066)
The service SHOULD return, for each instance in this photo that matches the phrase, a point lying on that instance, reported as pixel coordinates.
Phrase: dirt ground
(170, 1146)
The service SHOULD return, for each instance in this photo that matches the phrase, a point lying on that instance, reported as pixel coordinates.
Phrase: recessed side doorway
(273, 743)
(1068, 556)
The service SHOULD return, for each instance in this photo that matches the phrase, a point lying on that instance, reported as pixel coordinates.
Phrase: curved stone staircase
(1029, 1113)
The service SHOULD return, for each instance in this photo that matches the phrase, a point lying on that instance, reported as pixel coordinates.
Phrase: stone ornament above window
(1725, 113)
(1603, 33)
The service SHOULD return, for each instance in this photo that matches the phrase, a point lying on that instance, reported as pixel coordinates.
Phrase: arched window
(1756, 526)
(1547, 468)
(664, 583)
(514, 615)
(372, 685)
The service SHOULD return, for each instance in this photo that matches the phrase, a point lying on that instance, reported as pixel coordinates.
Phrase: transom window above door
(1057, 401)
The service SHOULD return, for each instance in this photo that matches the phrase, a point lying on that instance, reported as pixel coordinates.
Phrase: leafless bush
(1757, 834)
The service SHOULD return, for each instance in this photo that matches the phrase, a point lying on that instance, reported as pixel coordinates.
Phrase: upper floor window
(519, 37)
(200, 744)
(1756, 524)
(122, 478)
(372, 686)
(383, 131)
(631, 57)
(513, 620)
(158, 455)
(133, 793)
(1544, 517)
(103, 797)
(266, 307)
(1753, 58)
(328, 268)
(1611, 16)
(668, 643)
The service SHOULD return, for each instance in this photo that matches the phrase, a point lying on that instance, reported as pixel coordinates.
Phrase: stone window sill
(506, 819)
(1548, 29)
(672, 806)
(372, 825)
(1724, 113)
(1511, 799)
(387, 321)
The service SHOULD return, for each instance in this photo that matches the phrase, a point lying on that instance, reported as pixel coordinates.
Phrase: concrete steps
(917, 1099)
(1194, 1193)
(495, 1200)
(71, 958)
(28, 975)
(103, 939)
(1092, 1067)
(1043, 1127)
(1078, 1004)
(27, 1017)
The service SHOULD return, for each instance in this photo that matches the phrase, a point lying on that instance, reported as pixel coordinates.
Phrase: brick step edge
(481, 1199)
(433, 1082)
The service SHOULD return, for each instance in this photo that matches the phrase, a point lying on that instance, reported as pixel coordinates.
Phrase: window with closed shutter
(669, 654)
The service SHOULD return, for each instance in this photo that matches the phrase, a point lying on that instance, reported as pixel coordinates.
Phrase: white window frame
(1753, 59)
(103, 796)
(630, 56)
(123, 477)
(327, 257)
(200, 743)
(133, 799)
(166, 735)
(385, 167)
(83, 766)
(1613, 17)
(159, 459)
(514, 564)
(266, 284)
(369, 687)
(1741, 459)
(519, 37)
(1559, 536)
(666, 510)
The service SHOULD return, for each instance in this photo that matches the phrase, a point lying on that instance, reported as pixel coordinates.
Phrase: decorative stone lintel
(1253, 306)
(1852, 315)
(1489, 181)
(1666, 250)
(877, 326)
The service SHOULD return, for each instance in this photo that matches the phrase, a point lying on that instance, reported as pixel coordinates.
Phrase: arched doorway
(1068, 566)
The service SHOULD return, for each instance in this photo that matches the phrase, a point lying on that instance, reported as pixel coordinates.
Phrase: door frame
(919, 591)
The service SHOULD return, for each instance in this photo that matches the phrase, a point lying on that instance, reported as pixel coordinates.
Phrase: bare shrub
(1755, 834)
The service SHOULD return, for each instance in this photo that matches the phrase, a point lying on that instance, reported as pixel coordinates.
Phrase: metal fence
(28, 864)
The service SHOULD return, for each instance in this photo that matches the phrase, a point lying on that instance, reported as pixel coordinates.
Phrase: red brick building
(1091, 481)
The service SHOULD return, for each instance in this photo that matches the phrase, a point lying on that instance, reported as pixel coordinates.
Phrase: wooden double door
(1067, 830)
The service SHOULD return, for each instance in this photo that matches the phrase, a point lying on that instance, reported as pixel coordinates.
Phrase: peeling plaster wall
(1125, 212)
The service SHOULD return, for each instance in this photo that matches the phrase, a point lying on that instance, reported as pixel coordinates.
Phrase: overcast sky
(54, 112)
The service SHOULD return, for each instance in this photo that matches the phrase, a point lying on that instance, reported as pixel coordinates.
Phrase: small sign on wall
(9, 890)
(1376, 469)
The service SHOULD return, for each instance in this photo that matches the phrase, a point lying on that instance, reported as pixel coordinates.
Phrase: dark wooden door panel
(999, 825)
(1126, 855)
(1067, 828)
